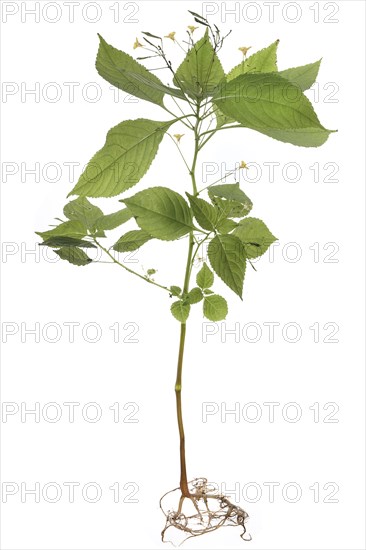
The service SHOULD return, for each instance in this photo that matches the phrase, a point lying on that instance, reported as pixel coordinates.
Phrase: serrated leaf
(72, 228)
(128, 152)
(82, 210)
(207, 291)
(111, 221)
(271, 105)
(205, 277)
(74, 255)
(180, 311)
(176, 290)
(132, 240)
(264, 61)
(203, 211)
(226, 226)
(161, 212)
(215, 307)
(116, 67)
(303, 76)
(201, 72)
(55, 242)
(227, 258)
(255, 236)
(194, 296)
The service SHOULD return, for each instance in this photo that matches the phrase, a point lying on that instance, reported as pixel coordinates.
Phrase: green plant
(255, 95)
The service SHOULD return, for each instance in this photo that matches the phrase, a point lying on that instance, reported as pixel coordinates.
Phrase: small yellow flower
(244, 50)
(243, 165)
(137, 44)
(178, 137)
(192, 28)
(171, 35)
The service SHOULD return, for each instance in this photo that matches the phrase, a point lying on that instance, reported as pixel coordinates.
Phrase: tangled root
(209, 511)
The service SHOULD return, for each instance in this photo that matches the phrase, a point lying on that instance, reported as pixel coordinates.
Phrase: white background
(37, 290)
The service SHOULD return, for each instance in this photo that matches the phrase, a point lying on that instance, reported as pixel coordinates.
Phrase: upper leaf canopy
(264, 61)
(201, 72)
(121, 70)
(270, 104)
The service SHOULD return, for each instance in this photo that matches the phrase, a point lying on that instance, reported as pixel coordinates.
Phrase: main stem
(178, 384)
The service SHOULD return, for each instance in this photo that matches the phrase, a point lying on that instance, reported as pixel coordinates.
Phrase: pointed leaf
(129, 150)
(161, 212)
(55, 242)
(203, 211)
(227, 257)
(264, 61)
(303, 76)
(270, 104)
(73, 255)
(116, 67)
(180, 311)
(205, 277)
(111, 221)
(132, 240)
(73, 228)
(255, 236)
(215, 307)
(201, 72)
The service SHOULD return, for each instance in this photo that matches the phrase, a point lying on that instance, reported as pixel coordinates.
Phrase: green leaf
(255, 236)
(176, 290)
(207, 291)
(111, 221)
(227, 257)
(139, 78)
(264, 61)
(221, 119)
(73, 255)
(232, 192)
(121, 70)
(201, 72)
(128, 152)
(215, 307)
(205, 277)
(161, 212)
(194, 296)
(303, 76)
(226, 226)
(180, 311)
(132, 240)
(203, 211)
(73, 228)
(82, 210)
(228, 208)
(67, 241)
(271, 105)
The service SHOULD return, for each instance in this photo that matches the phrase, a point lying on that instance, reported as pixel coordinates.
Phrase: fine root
(209, 510)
